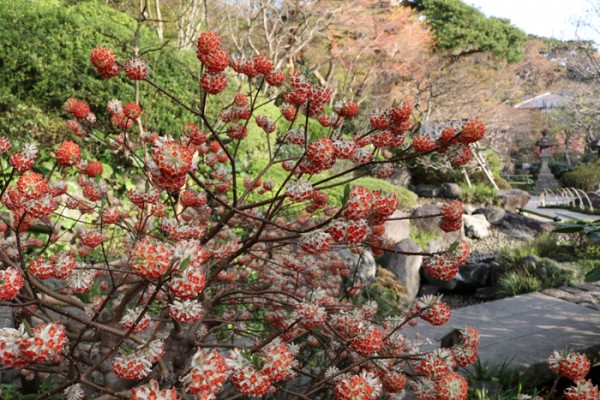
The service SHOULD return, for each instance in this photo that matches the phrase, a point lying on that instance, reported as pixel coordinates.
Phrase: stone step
(522, 331)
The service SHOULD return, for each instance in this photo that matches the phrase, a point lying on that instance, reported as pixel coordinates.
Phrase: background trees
(443, 56)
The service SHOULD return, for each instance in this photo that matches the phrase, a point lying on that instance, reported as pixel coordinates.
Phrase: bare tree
(284, 29)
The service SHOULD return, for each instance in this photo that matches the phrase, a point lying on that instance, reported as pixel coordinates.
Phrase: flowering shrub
(206, 281)
(575, 367)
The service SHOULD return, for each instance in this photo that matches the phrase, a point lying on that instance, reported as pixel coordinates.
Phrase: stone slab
(522, 331)
(554, 212)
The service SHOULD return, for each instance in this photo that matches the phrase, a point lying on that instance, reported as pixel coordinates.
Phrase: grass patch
(422, 238)
(512, 381)
(542, 274)
(514, 283)
(560, 261)
(479, 193)
(547, 244)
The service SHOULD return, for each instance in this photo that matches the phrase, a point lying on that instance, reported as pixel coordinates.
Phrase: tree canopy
(463, 29)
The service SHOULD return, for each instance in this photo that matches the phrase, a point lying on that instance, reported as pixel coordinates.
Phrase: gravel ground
(501, 236)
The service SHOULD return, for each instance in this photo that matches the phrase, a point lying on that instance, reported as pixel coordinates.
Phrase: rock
(363, 263)
(530, 263)
(447, 286)
(397, 230)
(493, 214)
(405, 268)
(6, 317)
(469, 209)
(451, 191)
(400, 177)
(476, 226)
(442, 240)
(486, 293)
(521, 235)
(427, 224)
(470, 277)
(512, 199)
(531, 226)
(427, 191)
(427, 289)
(475, 275)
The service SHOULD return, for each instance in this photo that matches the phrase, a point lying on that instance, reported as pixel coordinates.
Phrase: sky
(550, 18)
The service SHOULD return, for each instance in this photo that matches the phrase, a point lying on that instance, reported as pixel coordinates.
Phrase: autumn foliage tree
(205, 281)
(378, 49)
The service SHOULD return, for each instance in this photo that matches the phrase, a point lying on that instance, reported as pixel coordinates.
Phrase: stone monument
(545, 179)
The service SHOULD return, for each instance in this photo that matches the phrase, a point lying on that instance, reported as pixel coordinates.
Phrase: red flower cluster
(575, 367)
(202, 246)
(104, 60)
(452, 212)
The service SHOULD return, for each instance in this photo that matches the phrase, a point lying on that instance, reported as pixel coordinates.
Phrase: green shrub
(421, 175)
(543, 274)
(479, 193)
(585, 177)
(559, 168)
(45, 59)
(513, 255)
(593, 268)
(501, 182)
(513, 382)
(514, 283)
(588, 249)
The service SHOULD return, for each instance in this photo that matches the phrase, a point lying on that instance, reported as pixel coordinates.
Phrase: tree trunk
(567, 147)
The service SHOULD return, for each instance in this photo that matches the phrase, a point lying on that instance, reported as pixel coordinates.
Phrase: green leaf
(107, 171)
(184, 264)
(593, 276)
(346, 194)
(453, 247)
(569, 229)
(595, 236)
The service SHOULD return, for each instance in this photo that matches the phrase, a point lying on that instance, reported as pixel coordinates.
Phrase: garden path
(522, 331)
(554, 212)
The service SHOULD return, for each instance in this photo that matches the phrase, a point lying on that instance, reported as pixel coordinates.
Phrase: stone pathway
(554, 212)
(522, 331)
(586, 294)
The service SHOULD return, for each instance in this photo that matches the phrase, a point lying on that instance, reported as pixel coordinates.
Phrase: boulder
(405, 267)
(451, 191)
(486, 293)
(6, 317)
(512, 199)
(400, 177)
(427, 224)
(444, 241)
(493, 214)
(530, 226)
(470, 277)
(427, 191)
(469, 208)
(474, 276)
(397, 230)
(363, 263)
(432, 225)
(476, 226)
(428, 289)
